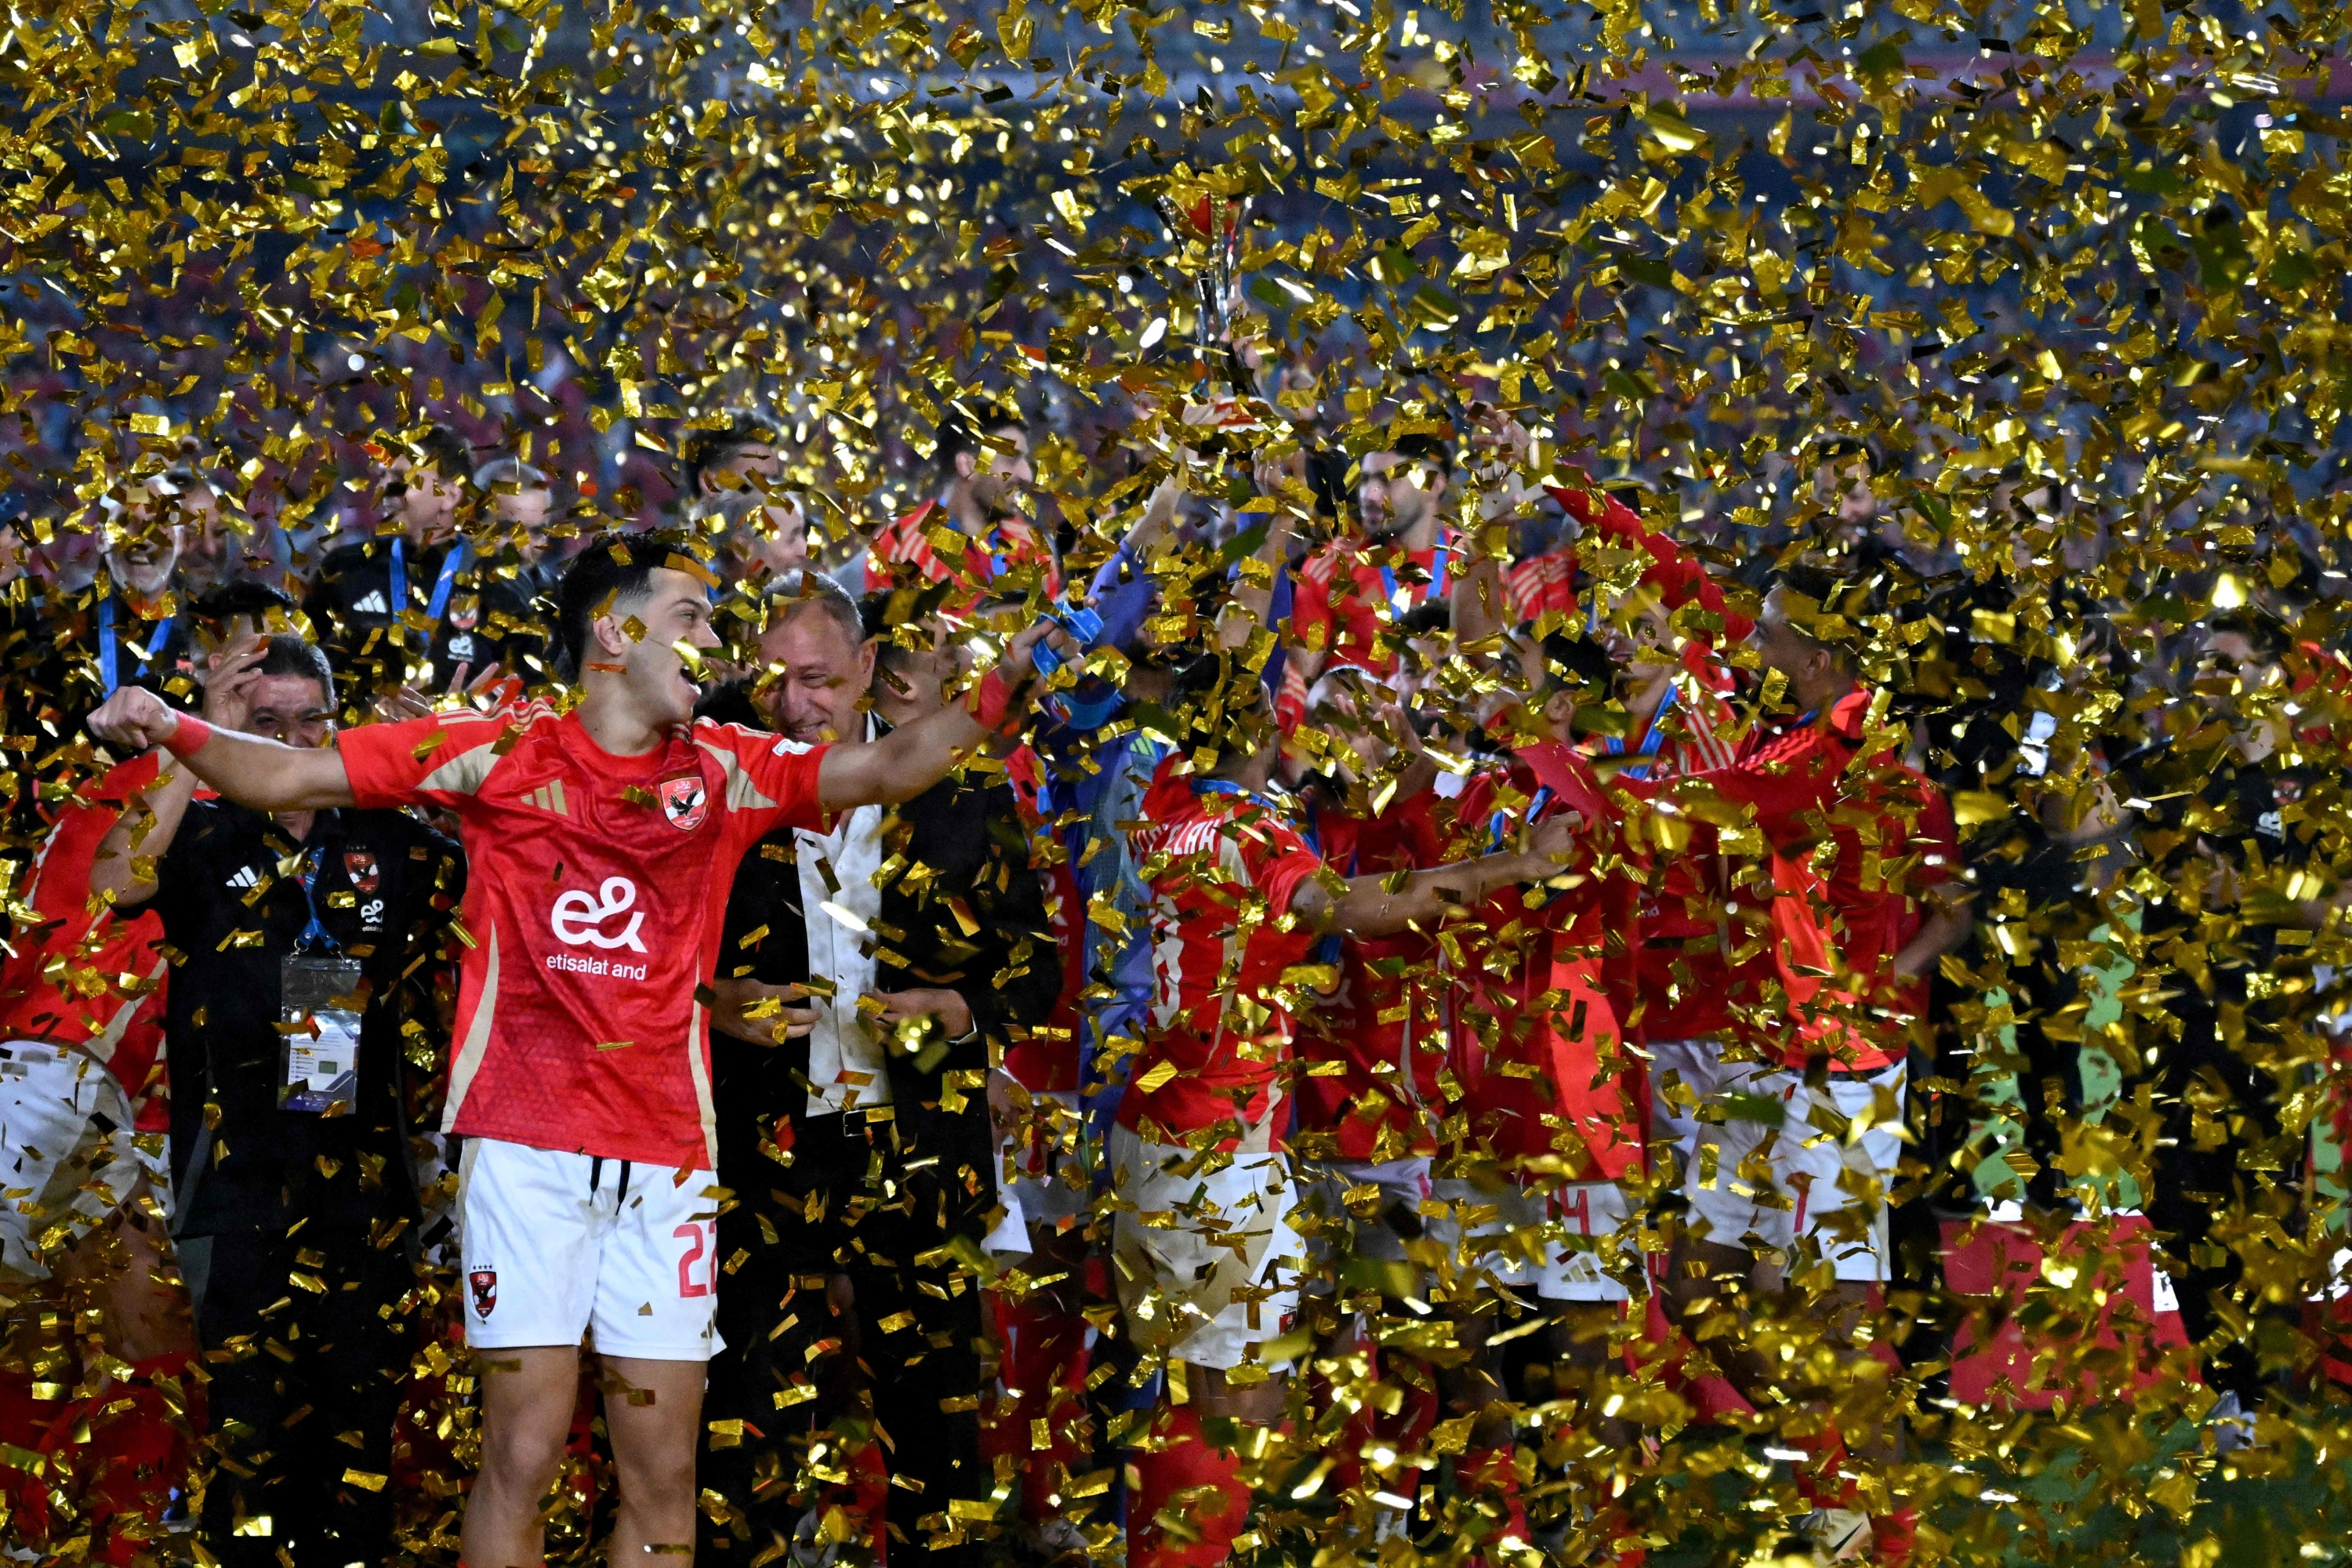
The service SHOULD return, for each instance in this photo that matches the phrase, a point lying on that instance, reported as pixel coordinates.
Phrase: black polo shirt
(230, 897)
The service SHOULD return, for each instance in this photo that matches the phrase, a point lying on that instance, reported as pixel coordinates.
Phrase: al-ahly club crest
(484, 1284)
(685, 802)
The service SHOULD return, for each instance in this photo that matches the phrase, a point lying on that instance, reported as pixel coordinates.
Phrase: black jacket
(387, 887)
(968, 835)
(487, 617)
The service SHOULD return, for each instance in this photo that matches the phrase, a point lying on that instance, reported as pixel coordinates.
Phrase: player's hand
(945, 1006)
(482, 692)
(790, 1023)
(1008, 1102)
(230, 675)
(1019, 663)
(1554, 840)
(1499, 442)
(134, 719)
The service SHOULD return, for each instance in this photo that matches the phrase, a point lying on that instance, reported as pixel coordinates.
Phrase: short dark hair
(614, 568)
(1217, 699)
(2265, 633)
(1571, 660)
(1422, 448)
(442, 450)
(968, 423)
(1832, 592)
(801, 589)
(1839, 449)
(287, 654)
(712, 450)
(236, 601)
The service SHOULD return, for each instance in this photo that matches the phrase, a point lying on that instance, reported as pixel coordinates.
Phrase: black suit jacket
(962, 906)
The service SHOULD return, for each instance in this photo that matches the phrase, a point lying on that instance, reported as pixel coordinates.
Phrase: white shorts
(1785, 1163)
(557, 1245)
(1327, 1183)
(1552, 1240)
(1049, 1182)
(1695, 1064)
(1205, 1283)
(68, 1156)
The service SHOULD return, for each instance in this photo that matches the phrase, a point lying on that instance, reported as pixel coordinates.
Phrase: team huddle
(983, 1059)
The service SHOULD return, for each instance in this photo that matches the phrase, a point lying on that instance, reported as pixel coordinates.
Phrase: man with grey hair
(868, 978)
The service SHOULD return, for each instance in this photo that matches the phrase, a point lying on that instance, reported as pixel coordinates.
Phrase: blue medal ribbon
(109, 664)
(316, 931)
(438, 605)
(1652, 741)
(1438, 569)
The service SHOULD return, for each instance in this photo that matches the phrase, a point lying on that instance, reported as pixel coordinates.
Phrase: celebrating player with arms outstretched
(600, 843)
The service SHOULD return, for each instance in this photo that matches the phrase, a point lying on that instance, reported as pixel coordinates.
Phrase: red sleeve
(60, 889)
(772, 779)
(1310, 607)
(441, 759)
(1674, 571)
(1935, 837)
(1789, 787)
(1283, 875)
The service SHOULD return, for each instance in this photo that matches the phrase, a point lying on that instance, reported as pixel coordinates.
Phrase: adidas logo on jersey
(548, 797)
(373, 603)
(244, 877)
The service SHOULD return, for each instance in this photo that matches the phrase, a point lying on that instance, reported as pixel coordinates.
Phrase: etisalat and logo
(581, 919)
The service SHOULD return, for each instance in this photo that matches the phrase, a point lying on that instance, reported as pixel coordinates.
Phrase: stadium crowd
(1355, 1012)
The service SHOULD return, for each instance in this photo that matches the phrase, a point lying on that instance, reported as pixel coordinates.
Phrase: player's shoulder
(342, 559)
(1322, 564)
(746, 740)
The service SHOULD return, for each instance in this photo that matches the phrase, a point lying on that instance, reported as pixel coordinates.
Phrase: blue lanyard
(110, 666)
(451, 565)
(1499, 826)
(1651, 743)
(316, 932)
(1227, 786)
(1436, 580)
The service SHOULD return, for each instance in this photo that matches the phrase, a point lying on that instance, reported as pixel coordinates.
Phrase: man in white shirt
(868, 979)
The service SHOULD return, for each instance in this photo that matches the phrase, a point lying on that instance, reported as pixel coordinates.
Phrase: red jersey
(1892, 847)
(93, 980)
(1540, 586)
(1786, 791)
(1682, 977)
(1222, 866)
(1547, 1081)
(596, 890)
(1352, 593)
(1376, 1046)
(926, 545)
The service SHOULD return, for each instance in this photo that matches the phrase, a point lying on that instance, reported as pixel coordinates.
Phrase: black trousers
(306, 1398)
(898, 1214)
(2228, 1183)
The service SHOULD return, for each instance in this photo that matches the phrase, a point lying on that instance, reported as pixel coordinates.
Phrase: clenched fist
(134, 719)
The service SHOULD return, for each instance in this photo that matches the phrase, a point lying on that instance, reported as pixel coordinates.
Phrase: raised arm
(1381, 905)
(266, 776)
(1501, 447)
(1252, 602)
(911, 758)
(142, 836)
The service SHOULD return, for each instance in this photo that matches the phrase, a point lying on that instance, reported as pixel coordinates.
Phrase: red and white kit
(590, 920)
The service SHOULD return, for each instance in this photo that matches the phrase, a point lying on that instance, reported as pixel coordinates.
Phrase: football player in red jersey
(1832, 955)
(581, 1075)
(983, 460)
